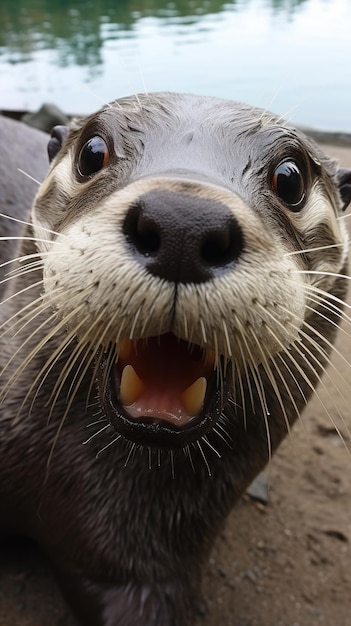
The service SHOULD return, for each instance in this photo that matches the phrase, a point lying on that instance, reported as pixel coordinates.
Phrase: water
(292, 56)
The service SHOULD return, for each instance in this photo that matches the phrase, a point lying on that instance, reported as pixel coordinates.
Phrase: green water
(292, 56)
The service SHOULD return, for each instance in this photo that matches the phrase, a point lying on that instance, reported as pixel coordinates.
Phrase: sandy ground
(284, 564)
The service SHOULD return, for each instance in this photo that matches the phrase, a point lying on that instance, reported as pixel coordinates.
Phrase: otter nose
(182, 237)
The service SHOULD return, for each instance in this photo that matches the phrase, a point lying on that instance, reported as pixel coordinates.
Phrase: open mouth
(161, 391)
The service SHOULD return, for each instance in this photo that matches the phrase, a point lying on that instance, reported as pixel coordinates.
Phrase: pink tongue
(166, 368)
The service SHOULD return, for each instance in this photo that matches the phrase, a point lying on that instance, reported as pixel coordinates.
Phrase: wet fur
(129, 527)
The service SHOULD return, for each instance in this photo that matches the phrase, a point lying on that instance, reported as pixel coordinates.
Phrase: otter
(172, 307)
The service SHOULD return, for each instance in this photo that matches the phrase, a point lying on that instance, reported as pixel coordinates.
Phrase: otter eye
(288, 183)
(93, 156)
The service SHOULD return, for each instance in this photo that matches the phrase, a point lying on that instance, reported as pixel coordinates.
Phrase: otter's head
(193, 238)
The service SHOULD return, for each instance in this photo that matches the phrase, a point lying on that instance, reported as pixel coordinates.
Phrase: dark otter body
(187, 314)
(22, 148)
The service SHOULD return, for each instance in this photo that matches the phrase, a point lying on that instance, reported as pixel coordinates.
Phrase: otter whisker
(337, 429)
(331, 308)
(29, 176)
(98, 359)
(30, 311)
(171, 456)
(37, 330)
(26, 361)
(226, 335)
(316, 374)
(80, 348)
(22, 291)
(21, 259)
(330, 298)
(187, 451)
(25, 238)
(73, 390)
(15, 219)
(326, 318)
(108, 445)
(217, 357)
(150, 315)
(280, 355)
(216, 350)
(220, 379)
(265, 410)
(239, 378)
(324, 355)
(91, 405)
(203, 330)
(317, 249)
(198, 444)
(120, 329)
(24, 269)
(24, 265)
(287, 388)
(22, 272)
(186, 329)
(286, 352)
(45, 371)
(35, 308)
(268, 370)
(110, 358)
(96, 434)
(321, 273)
(131, 334)
(215, 430)
(234, 403)
(309, 383)
(99, 421)
(325, 295)
(99, 99)
(258, 384)
(285, 120)
(206, 441)
(321, 337)
(248, 380)
(289, 354)
(131, 453)
(219, 426)
(316, 346)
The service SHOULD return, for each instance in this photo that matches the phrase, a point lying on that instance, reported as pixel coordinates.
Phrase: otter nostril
(146, 240)
(142, 232)
(222, 247)
(149, 242)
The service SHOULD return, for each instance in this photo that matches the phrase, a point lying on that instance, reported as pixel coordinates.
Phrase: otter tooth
(132, 387)
(193, 397)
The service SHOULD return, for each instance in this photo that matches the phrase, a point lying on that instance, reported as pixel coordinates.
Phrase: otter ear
(58, 137)
(343, 179)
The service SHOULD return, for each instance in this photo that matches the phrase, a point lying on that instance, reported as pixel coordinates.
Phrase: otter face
(186, 255)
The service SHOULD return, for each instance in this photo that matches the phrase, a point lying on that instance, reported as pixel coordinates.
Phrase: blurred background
(291, 56)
